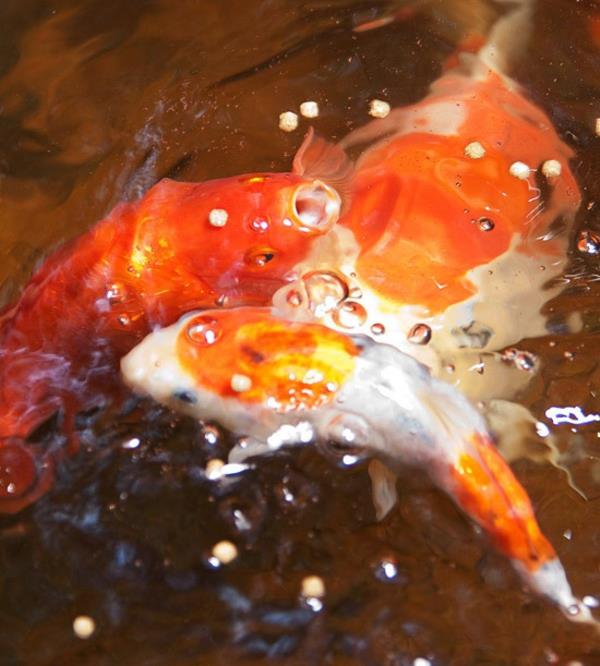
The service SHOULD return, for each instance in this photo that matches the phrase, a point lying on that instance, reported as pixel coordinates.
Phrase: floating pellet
(474, 150)
(313, 586)
(309, 109)
(214, 468)
(378, 108)
(225, 552)
(241, 383)
(84, 627)
(519, 170)
(551, 168)
(288, 121)
(218, 217)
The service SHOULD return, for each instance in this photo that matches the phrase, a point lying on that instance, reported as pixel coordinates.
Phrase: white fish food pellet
(551, 168)
(288, 121)
(218, 217)
(309, 109)
(474, 150)
(378, 108)
(84, 627)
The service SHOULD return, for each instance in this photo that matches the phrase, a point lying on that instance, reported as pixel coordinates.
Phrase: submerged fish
(471, 181)
(182, 246)
(459, 210)
(282, 383)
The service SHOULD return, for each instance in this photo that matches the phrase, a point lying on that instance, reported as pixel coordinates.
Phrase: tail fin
(508, 37)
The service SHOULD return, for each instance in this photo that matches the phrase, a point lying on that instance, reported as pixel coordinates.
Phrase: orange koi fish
(183, 246)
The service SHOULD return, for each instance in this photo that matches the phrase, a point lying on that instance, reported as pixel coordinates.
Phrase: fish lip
(315, 207)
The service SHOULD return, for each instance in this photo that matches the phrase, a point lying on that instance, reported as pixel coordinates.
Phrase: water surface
(98, 101)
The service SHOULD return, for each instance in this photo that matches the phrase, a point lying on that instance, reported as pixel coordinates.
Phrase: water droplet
(485, 224)
(221, 300)
(378, 329)
(325, 291)
(525, 361)
(211, 435)
(259, 257)
(522, 360)
(588, 242)
(115, 293)
(124, 320)
(386, 570)
(350, 315)
(203, 330)
(260, 225)
(355, 292)
(419, 334)
(294, 298)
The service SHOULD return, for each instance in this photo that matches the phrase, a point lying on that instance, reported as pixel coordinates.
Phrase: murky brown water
(98, 100)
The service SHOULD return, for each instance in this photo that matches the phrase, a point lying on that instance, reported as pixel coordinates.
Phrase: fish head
(243, 367)
(242, 235)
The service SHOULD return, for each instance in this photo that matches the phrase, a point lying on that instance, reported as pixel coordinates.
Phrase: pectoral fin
(383, 487)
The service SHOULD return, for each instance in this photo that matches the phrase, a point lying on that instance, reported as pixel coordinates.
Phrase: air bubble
(485, 224)
(378, 329)
(525, 361)
(325, 291)
(386, 570)
(203, 331)
(350, 315)
(260, 225)
(294, 298)
(419, 334)
(115, 293)
(588, 242)
(522, 360)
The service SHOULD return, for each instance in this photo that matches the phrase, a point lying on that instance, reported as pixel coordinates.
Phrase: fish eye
(315, 207)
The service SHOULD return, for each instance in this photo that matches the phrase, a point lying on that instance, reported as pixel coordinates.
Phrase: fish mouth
(315, 207)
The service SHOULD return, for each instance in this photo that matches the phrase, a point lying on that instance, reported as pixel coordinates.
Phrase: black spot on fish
(185, 396)
(253, 354)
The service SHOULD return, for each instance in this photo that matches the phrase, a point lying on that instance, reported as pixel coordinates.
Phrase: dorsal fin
(320, 159)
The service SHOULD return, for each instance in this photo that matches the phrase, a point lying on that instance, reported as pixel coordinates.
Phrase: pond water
(98, 101)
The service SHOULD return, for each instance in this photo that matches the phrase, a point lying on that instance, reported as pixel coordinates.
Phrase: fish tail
(484, 486)
(508, 37)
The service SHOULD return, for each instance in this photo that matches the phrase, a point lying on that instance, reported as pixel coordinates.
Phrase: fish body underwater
(425, 219)
(183, 246)
(454, 206)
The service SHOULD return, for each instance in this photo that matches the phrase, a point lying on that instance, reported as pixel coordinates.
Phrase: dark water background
(98, 100)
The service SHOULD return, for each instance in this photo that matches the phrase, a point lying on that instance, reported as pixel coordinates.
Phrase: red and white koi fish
(282, 383)
(183, 246)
